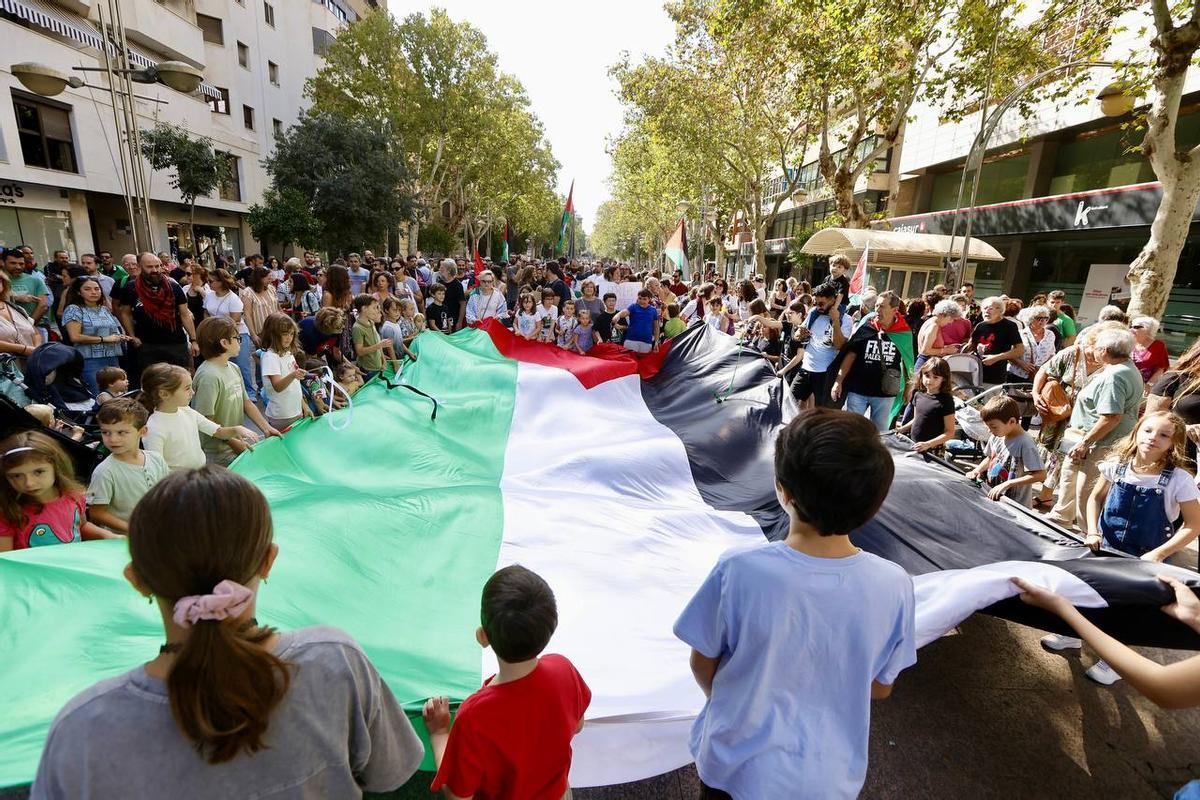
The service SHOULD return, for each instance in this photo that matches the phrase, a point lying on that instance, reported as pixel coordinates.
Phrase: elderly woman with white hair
(1105, 410)
(1040, 340)
(1149, 353)
(930, 339)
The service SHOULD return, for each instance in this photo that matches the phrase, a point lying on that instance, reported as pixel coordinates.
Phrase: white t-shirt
(546, 333)
(820, 352)
(176, 437)
(285, 404)
(1180, 489)
(218, 306)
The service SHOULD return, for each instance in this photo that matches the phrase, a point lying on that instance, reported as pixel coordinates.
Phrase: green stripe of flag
(387, 529)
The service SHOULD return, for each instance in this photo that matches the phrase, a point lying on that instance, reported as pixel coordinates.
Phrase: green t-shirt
(364, 333)
(221, 396)
(30, 283)
(1066, 326)
(674, 327)
(1115, 389)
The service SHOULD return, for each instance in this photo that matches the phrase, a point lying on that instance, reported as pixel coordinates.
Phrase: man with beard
(154, 309)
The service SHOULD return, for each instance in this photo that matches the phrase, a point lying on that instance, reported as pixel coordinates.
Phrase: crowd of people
(189, 366)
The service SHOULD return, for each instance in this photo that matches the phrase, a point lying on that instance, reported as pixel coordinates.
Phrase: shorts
(807, 384)
(634, 346)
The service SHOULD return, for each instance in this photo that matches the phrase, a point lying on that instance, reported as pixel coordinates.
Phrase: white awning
(929, 245)
(56, 20)
(61, 22)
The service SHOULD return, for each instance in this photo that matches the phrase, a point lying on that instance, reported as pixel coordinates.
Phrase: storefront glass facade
(213, 240)
(43, 230)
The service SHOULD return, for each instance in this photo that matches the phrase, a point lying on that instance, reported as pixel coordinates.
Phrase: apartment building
(60, 174)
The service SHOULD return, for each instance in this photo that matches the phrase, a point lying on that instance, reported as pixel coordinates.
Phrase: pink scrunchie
(228, 599)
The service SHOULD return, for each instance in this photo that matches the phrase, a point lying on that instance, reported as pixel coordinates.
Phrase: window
(321, 41)
(248, 117)
(231, 187)
(269, 13)
(45, 133)
(243, 55)
(219, 106)
(212, 28)
(277, 127)
(273, 72)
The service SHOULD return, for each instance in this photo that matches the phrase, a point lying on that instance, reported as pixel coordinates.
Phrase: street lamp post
(48, 82)
(1114, 102)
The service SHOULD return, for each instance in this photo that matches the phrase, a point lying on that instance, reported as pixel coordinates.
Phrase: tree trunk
(1153, 272)
(414, 231)
(192, 225)
(843, 196)
(760, 250)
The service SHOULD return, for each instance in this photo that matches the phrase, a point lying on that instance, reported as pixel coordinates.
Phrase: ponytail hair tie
(228, 599)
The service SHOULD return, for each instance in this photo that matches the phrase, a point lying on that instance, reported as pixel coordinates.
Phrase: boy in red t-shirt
(512, 738)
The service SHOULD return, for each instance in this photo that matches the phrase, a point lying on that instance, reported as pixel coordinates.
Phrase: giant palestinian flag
(619, 481)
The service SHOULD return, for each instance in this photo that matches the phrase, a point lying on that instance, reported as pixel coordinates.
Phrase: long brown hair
(1188, 371)
(273, 329)
(32, 446)
(941, 368)
(337, 284)
(1125, 448)
(194, 529)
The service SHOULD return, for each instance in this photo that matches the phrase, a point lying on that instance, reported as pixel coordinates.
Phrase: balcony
(167, 27)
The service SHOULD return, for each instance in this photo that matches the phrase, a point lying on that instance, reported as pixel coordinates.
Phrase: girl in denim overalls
(1142, 490)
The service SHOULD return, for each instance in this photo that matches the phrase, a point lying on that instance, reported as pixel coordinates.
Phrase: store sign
(10, 193)
(1119, 207)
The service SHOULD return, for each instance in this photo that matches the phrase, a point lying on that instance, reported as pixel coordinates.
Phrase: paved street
(987, 713)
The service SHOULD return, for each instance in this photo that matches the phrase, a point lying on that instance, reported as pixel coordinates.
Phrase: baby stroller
(53, 375)
(966, 374)
(14, 419)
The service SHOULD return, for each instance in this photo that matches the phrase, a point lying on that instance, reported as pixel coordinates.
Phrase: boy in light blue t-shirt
(792, 640)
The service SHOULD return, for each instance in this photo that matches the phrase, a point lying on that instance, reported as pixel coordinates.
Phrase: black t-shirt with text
(871, 355)
(145, 328)
(439, 317)
(992, 338)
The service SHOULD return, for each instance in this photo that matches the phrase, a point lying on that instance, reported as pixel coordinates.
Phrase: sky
(561, 52)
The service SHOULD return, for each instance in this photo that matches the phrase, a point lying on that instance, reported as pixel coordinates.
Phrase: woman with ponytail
(228, 708)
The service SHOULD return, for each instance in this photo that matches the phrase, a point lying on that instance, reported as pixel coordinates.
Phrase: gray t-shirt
(1007, 459)
(339, 731)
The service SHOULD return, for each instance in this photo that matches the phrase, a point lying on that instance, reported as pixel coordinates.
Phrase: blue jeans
(879, 409)
(93, 365)
(246, 365)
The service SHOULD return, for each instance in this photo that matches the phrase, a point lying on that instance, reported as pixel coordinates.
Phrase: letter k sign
(1081, 213)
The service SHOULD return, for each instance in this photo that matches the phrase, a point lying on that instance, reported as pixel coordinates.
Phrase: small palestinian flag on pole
(860, 272)
(676, 249)
(567, 219)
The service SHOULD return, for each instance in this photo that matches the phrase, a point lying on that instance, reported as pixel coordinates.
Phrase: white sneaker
(1102, 673)
(1056, 643)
